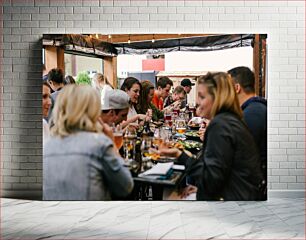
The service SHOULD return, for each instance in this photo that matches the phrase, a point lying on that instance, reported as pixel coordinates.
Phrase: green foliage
(83, 78)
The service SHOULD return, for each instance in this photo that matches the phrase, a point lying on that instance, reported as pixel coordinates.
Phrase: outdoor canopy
(87, 45)
(207, 43)
(82, 44)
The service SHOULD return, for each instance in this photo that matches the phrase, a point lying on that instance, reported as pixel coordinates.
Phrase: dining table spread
(155, 175)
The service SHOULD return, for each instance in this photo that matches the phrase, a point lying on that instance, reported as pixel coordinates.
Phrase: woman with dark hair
(145, 101)
(229, 166)
(46, 104)
(132, 87)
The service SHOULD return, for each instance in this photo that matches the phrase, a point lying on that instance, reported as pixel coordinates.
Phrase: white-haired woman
(101, 83)
(80, 161)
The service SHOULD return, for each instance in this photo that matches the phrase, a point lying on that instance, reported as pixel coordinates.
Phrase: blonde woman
(80, 161)
(229, 167)
(101, 84)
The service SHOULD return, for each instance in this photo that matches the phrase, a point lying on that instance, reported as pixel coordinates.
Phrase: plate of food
(191, 145)
(158, 158)
(193, 135)
(164, 159)
(176, 145)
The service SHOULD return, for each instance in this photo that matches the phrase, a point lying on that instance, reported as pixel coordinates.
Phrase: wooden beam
(110, 70)
(264, 67)
(123, 38)
(256, 57)
(54, 58)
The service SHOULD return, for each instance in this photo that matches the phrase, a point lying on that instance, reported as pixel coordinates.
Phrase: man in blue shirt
(56, 82)
(254, 110)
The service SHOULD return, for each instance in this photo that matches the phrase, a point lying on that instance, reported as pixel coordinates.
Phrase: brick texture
(24, 22)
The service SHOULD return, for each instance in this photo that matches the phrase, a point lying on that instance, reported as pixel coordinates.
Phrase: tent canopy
(88, 45)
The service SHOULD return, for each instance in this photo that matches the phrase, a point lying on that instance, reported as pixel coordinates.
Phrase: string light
(129, 41)
(153, 39)
(109, 36)
(97, 36)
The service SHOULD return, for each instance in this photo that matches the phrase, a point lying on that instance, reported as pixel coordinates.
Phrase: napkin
(159, 169)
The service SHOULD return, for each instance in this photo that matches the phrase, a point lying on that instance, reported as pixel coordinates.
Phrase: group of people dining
(81, 161)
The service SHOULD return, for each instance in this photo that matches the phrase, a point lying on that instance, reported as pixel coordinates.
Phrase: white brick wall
(25, 21)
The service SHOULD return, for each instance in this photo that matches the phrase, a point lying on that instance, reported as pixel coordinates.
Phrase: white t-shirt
(104, 89)
(132, 112)
(46, 131)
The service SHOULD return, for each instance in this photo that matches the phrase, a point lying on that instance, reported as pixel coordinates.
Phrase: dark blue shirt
(255, 116)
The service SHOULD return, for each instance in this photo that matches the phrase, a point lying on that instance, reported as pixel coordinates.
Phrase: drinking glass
(145, 146)
(129, 144)
(157, 140)
(167, 115)
(181, 125)
(192, 108)
(118, 136)
(177, 111)
(131, 132)
(165, 134)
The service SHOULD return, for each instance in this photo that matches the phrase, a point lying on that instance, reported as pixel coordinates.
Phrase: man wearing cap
(115, 107)
(187, 85)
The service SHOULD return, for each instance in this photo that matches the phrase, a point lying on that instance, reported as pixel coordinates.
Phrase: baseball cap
(115, 99)
(186, 82)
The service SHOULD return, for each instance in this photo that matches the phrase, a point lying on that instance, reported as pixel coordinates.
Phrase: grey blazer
(83, 166)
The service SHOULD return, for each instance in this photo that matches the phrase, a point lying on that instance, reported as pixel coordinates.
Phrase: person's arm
(135, 118)
(156, 113)
(118, 177)
(193, 166)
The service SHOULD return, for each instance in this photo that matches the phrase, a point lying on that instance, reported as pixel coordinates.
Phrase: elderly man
(115, 107)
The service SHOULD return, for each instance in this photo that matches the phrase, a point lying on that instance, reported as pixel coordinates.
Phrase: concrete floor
(277, 218)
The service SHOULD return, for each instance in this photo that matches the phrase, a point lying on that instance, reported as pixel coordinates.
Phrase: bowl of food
(195, 123)
(194, 126)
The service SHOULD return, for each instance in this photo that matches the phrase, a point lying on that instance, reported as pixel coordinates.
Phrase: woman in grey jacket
(229, 166)
(80, 161)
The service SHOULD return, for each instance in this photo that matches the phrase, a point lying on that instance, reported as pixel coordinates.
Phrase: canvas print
(154, 117)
